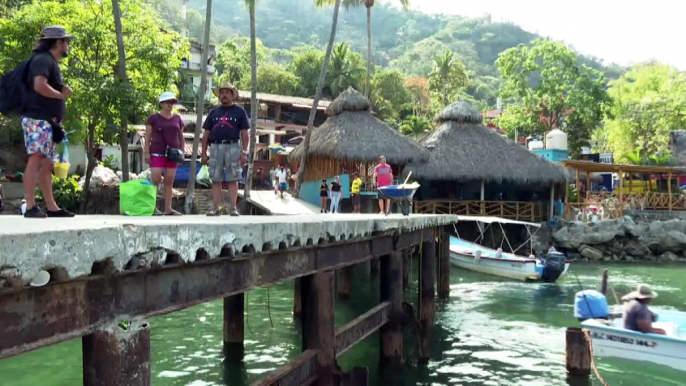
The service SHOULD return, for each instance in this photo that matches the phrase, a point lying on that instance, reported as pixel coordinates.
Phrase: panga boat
(475, 257)
(611, 339)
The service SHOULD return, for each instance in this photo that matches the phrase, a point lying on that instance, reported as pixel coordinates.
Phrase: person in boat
(551, 247)
(637, 316)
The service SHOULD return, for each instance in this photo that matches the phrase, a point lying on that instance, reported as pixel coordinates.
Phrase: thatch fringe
(348, 100)
(460, 112)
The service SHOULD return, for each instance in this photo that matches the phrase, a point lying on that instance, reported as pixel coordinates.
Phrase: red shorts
(162, 163)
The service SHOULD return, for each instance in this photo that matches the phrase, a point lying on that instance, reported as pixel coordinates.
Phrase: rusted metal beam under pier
(361, 327)
(35, 317)
(301, 370)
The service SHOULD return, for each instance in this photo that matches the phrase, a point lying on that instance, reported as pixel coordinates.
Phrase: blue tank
(590, 304)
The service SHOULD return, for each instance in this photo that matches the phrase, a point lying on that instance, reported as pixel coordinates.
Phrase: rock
(563, 238)
(669, 256)
(655, 227)
(597, 238)
(627, 220)
(629, 258)
(636, 249)
(678, 236)
(654, 246)
(591, 253)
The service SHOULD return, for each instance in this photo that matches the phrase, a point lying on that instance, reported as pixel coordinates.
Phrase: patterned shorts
(225, 162)
(38, 137)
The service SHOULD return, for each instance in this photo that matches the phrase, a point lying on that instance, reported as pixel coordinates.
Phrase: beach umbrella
(277, 148)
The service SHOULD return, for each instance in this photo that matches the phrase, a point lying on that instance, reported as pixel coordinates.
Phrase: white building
(192, 67)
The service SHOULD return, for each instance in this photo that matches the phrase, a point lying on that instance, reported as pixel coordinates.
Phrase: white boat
(610, 339)
(475, 257)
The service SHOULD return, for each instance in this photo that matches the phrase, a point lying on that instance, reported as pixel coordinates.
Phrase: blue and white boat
(611, 339)
(472, 256)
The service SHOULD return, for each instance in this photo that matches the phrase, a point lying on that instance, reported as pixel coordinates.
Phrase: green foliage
(67, 192)
(648, 103)
(546, 80)
(448, 79)
(306, 66)
(388, 93)
(275, 79)
(109, 162)
(515, 120)
(233, 61)
(415, 126)
(347, 69)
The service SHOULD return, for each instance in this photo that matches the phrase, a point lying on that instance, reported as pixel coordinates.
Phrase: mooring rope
(593, 365)
(247, 311)
(269, 309)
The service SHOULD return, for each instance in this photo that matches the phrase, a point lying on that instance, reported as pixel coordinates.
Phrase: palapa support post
(621, 195)
(552, 202)
(427, 298)
(345, 282)
(407, 263)
(318, 331)
(483, 197)
(669, 190)
(444, 265)
(234, 327)
(578, 356)
(564, 210)
(578, 191)
(118, 354)
(391, 290)
(297, 298)
(603, 285)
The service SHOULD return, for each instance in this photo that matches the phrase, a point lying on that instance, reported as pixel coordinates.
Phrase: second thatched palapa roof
(463, 149)
(353, 133)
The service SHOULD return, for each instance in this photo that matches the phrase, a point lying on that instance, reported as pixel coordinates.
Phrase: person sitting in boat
(551, 247)
(637, 316)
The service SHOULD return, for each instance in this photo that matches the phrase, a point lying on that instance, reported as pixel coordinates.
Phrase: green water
(491, 332)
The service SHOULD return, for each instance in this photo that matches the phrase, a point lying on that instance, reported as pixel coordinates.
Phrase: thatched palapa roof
(462, 148)
(351, 132)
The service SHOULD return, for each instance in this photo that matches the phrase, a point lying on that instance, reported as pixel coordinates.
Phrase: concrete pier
(105, 269)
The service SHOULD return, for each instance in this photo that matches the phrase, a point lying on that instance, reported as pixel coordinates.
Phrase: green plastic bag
(137, 198)
(203, 176)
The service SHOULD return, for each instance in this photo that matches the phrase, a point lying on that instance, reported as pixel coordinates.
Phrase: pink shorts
(162, 163)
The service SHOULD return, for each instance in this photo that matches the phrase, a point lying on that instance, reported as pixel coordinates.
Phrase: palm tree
(414, 125)
(318, 93)
(188, 205)
(448, 77)
(345, 71)
(253, 99)
(121, 73)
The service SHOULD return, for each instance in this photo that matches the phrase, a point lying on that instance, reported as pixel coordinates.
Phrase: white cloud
(620, 31)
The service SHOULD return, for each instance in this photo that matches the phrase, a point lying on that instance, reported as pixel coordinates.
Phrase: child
(356, 193)
(323, 195)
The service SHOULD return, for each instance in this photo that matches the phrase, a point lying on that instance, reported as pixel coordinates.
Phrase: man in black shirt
(44, 109)
(226, 133)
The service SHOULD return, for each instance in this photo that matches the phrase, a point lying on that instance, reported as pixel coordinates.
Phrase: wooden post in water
(603, 286)
(392, 291)
(345, 282)
(234, 327)
(427, 297)
(578, 356)
(374, 266)
(297, 298)
(318, 323)
(407, 262)
(444, 265)
(116, 356)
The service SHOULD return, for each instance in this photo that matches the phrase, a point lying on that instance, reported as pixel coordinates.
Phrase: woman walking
(323, 196)
(164, 141)
(335, 195)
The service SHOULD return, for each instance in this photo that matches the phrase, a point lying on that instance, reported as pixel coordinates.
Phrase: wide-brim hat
(167, 97)
(642, 292)
(54, 32)
(226, 85)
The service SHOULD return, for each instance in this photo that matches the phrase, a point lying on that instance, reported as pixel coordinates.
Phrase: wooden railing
(515, 210)
(610, 205)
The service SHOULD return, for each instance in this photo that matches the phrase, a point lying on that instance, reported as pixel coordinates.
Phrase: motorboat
(473, 256)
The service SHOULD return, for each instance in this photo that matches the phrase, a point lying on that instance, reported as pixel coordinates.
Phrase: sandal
(173, 213)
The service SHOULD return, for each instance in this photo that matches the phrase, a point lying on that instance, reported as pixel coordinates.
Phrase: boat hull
(511, 269)
(615, 342)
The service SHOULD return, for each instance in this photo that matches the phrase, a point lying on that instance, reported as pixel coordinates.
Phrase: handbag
(174, 155)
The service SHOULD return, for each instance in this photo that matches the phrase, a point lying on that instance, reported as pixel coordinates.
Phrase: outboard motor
(590, 304)
(553, 266)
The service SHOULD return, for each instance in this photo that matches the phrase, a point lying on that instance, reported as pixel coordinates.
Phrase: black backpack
(14, 89)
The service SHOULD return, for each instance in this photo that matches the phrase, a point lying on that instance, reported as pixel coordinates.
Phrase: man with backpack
(42, 115)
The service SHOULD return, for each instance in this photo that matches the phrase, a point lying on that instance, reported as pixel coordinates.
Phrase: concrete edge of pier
(85, 245)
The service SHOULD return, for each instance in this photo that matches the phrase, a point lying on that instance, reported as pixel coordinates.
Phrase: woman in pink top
(383, 174)
(164, 130)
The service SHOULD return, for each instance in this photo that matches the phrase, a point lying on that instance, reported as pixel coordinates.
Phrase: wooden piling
(374, 266)
(407, 262)
(318, 331)
(427, 298)
(444, 265)
(117, 355)
(297, 298)
(603, 286)
(345, 282)
(358, 376)
(578, 356)
(391, 290)
(234, 327)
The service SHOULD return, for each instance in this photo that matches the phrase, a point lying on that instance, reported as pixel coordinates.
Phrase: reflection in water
(491, 332)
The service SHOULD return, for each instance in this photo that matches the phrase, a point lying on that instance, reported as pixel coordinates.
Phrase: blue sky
(620, 31)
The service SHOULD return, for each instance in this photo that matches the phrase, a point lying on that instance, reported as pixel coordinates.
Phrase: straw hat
(226, 85)
(642, 292)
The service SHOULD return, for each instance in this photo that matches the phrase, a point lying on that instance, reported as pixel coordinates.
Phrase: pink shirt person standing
(383, 174)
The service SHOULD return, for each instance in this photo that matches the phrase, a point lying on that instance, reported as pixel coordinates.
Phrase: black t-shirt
(226, 123)
(335, 187)
(38, 106)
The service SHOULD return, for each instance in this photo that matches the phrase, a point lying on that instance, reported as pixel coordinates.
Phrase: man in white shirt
(282, 179)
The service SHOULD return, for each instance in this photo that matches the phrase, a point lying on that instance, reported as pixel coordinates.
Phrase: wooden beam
(578, 190)
(345, 282)
(361, 327)
(297, 300)
(301, 370)
(483, 197)
(621, 196)
(444, 265)
(427, 298)
(392, 292)
(318, 331)
(552, 201)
